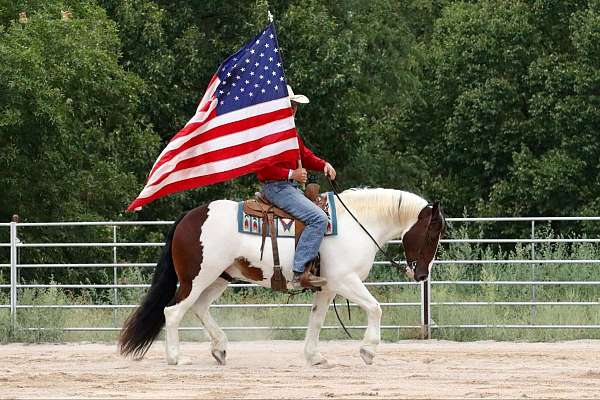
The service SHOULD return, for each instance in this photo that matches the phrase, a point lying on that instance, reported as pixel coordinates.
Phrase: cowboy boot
(306, 280)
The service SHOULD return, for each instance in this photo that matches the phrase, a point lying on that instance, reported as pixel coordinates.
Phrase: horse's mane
(382, 203)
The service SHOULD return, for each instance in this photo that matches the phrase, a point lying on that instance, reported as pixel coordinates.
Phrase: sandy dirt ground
(275, 370)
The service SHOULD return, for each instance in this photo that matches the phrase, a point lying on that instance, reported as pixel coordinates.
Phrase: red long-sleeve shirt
(280, 171)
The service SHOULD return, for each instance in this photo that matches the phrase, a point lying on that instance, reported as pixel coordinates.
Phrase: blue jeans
(289, 198)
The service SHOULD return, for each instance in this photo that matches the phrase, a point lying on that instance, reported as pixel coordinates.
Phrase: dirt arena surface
(276, 370)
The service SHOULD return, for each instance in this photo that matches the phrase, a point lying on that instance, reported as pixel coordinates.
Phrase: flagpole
(302, 184)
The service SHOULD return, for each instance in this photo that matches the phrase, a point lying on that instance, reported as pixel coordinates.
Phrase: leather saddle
(260, 207)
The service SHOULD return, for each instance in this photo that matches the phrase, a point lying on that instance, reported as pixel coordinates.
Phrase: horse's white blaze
(346, 260)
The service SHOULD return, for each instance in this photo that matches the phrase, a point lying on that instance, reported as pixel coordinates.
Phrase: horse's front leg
(355, 290)
(315, 322)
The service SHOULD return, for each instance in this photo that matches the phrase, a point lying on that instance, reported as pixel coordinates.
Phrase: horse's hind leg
(174, 314)
(218, 344)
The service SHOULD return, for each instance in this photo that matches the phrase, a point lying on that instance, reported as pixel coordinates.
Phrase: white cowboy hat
(298, 98)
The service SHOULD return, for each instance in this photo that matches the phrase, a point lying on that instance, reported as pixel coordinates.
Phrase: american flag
(243, 123)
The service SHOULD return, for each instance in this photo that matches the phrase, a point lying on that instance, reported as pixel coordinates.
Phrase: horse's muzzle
(420, 277)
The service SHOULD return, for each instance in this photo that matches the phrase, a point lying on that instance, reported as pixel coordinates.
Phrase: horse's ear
(435, 210)
(437, 218)
(435, 214)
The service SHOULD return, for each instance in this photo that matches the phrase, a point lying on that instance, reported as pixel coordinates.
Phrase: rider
(280, 187)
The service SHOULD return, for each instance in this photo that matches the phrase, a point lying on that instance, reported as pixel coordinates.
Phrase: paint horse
(205, 243)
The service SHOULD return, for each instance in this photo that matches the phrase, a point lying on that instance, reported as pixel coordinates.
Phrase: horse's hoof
(172, 361)
(184, 361)
(220, 356)
(323, 364)
(367, 356)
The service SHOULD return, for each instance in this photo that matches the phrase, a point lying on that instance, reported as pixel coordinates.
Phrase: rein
(409, 269)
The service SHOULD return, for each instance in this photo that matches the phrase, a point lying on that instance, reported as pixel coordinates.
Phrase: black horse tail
(144, 325)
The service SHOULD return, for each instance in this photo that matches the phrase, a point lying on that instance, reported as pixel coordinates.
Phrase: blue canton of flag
(252, 75)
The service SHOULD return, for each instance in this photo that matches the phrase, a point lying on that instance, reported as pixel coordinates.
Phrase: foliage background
(490, 106)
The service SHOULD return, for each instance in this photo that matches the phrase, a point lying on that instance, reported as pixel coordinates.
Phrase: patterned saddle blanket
(285, 227)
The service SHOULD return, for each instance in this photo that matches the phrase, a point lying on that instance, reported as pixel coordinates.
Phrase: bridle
(408, 268)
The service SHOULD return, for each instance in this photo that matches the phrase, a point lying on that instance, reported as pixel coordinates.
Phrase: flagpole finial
(270, 15)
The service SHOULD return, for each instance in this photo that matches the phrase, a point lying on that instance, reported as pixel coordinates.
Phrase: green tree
(73, 140)
(509, 119)
(559, 172)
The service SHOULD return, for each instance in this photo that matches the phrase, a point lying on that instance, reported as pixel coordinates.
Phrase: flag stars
(250, 80)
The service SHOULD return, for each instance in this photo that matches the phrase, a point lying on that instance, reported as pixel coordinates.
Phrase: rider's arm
(309, 160)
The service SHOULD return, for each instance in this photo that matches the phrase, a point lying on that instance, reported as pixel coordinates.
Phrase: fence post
(425, 308)
(115, 295)
(13, 271)
(533, 287)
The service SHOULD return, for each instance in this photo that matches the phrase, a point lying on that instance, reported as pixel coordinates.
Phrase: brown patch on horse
(186, 249)
(249, 272)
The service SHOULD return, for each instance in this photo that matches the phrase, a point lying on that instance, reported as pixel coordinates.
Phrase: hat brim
(299, 98)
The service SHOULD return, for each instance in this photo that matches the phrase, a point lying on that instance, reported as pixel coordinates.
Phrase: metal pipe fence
(425, 301)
